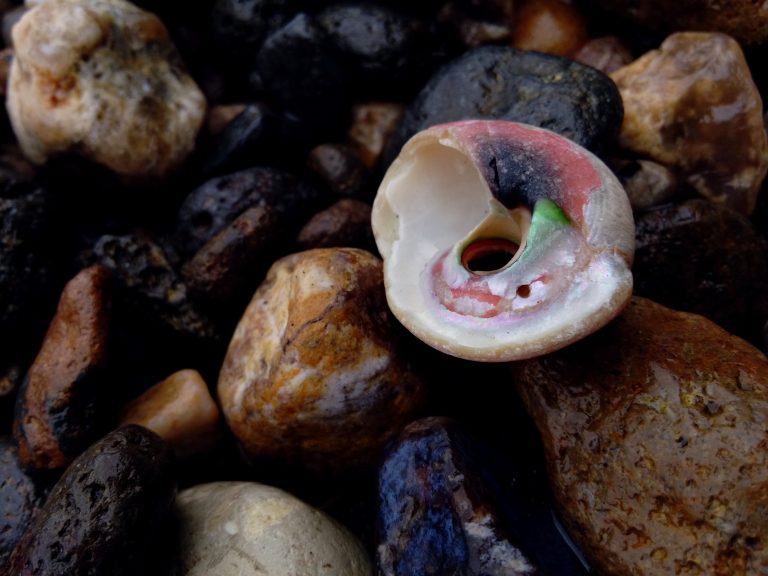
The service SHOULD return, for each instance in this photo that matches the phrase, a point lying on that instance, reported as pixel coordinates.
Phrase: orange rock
(655, 435)
(219, 116)
(312, 374)
(180, 410)
(552, 26)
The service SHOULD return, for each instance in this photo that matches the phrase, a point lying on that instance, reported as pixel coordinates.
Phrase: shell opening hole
(488, 255)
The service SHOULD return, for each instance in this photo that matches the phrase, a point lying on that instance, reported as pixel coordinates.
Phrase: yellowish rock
(692, 105)
(102, 78)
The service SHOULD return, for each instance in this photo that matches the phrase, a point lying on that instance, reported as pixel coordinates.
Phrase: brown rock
(346, 223)
(606, 53)
(220, 116)
(552, 26)
(180, 410)
(58, 412)
(341, 168)
(311, 374)
(692, 105)
(647, 183)
(655, 436)
(373, 124)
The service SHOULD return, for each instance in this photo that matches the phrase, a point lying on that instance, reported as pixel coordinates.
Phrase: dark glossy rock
(704, 258)
(346, 223)
(341, 168)
(19, 498)
(215, 204)
(105, 513)
(61, 407)
(434, 516)
(548, 91)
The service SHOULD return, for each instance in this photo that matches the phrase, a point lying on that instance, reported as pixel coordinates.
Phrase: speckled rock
(654, 432)
(102, 78)
(180, 410)
(372, 124)
(346, 223)
(548, 91)
(646, 183)
(606, 53)
(61, 403)
(19, 498)
(704, 258)
(434, 516)
(249, 529)
(551, 26)
(105, 513)
(341, 169)
(312, 375)
(692, 105)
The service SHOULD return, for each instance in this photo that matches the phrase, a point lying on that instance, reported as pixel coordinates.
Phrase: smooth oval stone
(548, 91)
(551, 26)
(346, 223)
(105, 513)
(654, 431)
(249, 529)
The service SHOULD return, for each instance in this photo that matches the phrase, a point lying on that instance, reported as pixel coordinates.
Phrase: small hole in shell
(488, 256)
(524, 291)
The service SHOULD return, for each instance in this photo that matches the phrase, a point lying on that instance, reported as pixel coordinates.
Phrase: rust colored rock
(180, 410)
(655, 436)
(346, 223)
(692, 105)
(552, 26)
(220, 116)
(606, 53)
(312, 375)
(373, 124)
(58, 409)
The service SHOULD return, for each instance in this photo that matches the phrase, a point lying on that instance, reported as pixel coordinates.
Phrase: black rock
(494, 82)
(704, 258)
(105, 513)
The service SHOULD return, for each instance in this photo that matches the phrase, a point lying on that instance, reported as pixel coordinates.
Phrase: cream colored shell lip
(462, 184)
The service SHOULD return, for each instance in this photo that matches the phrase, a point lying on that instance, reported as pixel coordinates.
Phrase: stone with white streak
(102, 78)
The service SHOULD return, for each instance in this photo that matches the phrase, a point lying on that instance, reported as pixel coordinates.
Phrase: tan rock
(311, 374)
(606, 53)
(180, 410)
(551, 26)
(373, 124)
(220, 116)
(692, 105)
(655, 436)
(102, 78)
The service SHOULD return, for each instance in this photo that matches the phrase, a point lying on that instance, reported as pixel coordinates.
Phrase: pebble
(551, 26)
(312, 375)
(61, 405)
(692, 105)
(102, 78)
(250, 529)
(341, 169)
(180, 410)
(105, 514)
(605, 53)
(654, 433)
(220, 115)
(371, 127)
(647, 183)
(346, 223)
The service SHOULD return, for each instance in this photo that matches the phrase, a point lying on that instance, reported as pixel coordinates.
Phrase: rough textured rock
(434, 516)
(692, 105)
(551, 26)
(105, 512)
(547, 91)
(703, 258)
(60, 407)
(249, 529)
(606, 53)
(654, 432)
(180, 410)
(102, 78)
(346, 223)
(312, 374)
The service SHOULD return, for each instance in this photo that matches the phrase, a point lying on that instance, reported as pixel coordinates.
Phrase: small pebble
(346, 223)
(647, 183)
(551, 26)
(372, 125)
(341, 169)
(220, 116)
(606, 53)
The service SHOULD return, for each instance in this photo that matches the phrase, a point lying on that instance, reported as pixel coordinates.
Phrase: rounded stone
(551, 26)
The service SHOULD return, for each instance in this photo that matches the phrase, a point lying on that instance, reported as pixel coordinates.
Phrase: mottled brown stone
(655, 434)
(341, 168)
(373, 124)
(346, 223)
(180, 410)
(312, 375)
(606, 53)
(220, 116)
(58, 406)
(552, 26)
(692, 105)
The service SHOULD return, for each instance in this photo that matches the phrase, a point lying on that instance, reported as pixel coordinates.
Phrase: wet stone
(346, 223)
(647, 183)
(105, 513)
(551, 26)
(654, 434)
(707, 259)
(341, 169)
(606, 53)
(692, 105)
(313, 375)
(548, 91)
(372, 125)
(434, 514)
(62, 403)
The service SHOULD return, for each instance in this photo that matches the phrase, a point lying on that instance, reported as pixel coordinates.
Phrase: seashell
(502, 241)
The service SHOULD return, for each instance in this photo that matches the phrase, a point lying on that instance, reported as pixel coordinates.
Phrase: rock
(105, 513)
(180, 410)
(312, 375)
(551, 26)
(341, 169)
(477, 24)
(496, 82)
(434, 516)
(654, 432)
(19, 498)
(61, 405)
(220, 115)
(704, 258)
(647, 183)
(346, 223)
(745, 20)
(249, 529)
(373, 123)
(606, 53)
(692, 105)
(102, 78)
